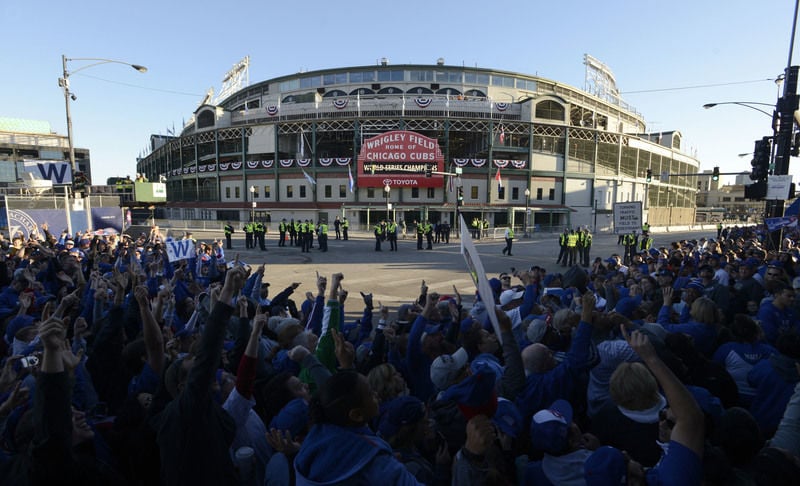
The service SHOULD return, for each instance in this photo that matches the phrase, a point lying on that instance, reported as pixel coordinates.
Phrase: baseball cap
(611, 260)
(550, 427)
(605, 467)
(536, 330)
(475, 395)
(446, 368)
(399, 412)
(292, 417)
(509, 295)
(508, 418)
(695, 284)
(489, 361)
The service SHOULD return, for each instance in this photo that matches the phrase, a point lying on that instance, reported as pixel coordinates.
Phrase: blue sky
(188, 46)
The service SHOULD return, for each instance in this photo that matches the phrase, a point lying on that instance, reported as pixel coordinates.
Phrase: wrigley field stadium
(420, 142)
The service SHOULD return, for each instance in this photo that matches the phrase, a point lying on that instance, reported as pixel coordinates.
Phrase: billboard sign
(400, 159)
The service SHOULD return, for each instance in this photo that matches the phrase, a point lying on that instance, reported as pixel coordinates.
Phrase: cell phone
(29, 361)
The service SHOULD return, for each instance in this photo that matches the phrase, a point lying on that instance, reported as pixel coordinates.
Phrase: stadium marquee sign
(400, 158)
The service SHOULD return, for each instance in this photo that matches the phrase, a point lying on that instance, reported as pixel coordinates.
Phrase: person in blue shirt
(776, 316)
(341, 448)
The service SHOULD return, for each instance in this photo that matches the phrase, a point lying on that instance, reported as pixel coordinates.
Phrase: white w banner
(179, 249)
(475, 267)
(57, 172)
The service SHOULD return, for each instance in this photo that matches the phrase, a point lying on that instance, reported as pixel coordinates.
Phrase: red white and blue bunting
(340, 103)
(478, 162)
(423, 102)
(272, 110)
(286, 162)
(236, 165)
(253, 164)
(303, 162)
(501, 106)
(224, 166)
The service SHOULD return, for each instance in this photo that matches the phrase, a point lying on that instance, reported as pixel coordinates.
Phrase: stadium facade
(364, 142)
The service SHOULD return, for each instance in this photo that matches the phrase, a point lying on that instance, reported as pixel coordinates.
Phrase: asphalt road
(395, 277)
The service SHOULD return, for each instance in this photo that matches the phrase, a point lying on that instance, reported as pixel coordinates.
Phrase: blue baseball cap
(550, 427)
(400, 412)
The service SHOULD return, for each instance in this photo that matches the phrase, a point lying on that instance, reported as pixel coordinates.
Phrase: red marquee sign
(400, 159)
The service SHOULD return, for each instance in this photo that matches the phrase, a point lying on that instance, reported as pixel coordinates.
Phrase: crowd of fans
(120, 367)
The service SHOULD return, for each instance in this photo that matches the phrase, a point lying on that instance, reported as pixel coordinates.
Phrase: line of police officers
(575, 247)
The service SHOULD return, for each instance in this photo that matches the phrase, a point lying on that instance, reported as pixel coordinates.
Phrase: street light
(527, 204)
(253, 198)
(63, 82)
(746, 104)
(386, 191)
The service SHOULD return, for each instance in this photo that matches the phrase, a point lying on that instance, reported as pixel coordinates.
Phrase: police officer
(509, 235)
(429, 234)
(645, 242)
(391, 235)
(562, 243)
(248, 235)
(337, 225)
(572, 248)
(322, 236)
(228, 229)
(282, 227)
(262, 231)
(292, 232)
(378, 231)
(476, 229)
(345, 226)
(302, 235)
(420, 234)
(586, 246)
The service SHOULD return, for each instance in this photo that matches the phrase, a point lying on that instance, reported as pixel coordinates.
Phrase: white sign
(57, 172)
(179, 249)
(627, 217)
(475, 268)
(778, 186)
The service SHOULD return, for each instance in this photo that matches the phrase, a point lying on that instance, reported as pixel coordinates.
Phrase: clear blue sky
(188, 48)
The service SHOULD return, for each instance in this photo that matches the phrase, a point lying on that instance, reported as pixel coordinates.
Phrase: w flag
(350, 176)
(498, 179)
(180, 249)
(309, 178)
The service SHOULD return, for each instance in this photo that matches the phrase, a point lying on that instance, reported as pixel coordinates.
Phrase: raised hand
(345, 352)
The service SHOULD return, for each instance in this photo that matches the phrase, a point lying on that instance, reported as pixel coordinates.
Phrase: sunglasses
(662, 416)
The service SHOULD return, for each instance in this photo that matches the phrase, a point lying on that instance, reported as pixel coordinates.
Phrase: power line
(697, 86)
(182, 93)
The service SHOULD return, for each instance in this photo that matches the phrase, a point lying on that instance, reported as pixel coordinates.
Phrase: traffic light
(756, 191)
(460, 195)
(428, 171)
(649, 176)
(715, 174)
(760, 162)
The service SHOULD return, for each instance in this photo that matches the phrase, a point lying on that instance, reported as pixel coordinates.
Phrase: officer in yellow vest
(228, 229)
(586, 246)
(572, 247)
(421, 233)
(261, 231)
(646, 242)
(322, 236)
(302, 235)
(509, 235)
(345, 227)
(391, 235)
(378, 231)
(429, 234)
(562, 243)
(248, 235)
(646, 227)
(282, 227)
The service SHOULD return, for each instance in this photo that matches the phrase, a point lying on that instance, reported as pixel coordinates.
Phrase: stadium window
(267, 192)
(302, 192)
(550, 110)
(431, 193)
(552, 195)
(539, 191)
(289, 191)
(342, 190)
(415, 193)
(473, 192)
(227, 193)
(237, 192)
(328, 191)
(255, 193)
(370, 192)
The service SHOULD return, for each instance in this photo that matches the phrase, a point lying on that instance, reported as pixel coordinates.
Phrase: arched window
(205, 119)
(420, 90)
(550, 110)
(676, 141)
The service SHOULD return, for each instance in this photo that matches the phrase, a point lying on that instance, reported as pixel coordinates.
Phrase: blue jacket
(348, 455)
(775, 321)
(774, 379)
(564, 381)
(704, 335)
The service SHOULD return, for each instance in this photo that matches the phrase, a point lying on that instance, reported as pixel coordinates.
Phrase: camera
(29, 361)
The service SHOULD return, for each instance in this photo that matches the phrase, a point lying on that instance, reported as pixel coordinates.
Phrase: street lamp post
(387, 189)
(527, 208)
(63, 82)
(746, 104)
(253, 199)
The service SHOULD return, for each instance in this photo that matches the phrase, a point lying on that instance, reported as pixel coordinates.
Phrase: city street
(395, 277)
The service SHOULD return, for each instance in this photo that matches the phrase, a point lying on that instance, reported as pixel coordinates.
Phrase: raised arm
(153, 339)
